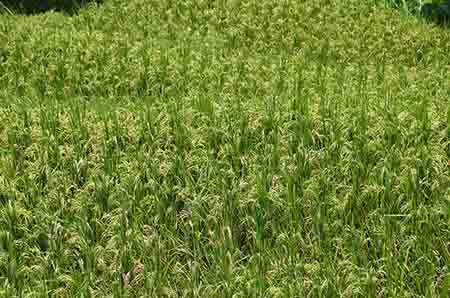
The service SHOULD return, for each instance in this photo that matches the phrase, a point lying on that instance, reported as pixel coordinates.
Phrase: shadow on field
(29, 7)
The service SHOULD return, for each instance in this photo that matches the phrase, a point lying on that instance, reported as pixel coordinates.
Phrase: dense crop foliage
(224, 149)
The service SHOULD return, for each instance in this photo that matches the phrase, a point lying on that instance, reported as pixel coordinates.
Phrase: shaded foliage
(440, 13)
(437, 11)
(38, 6)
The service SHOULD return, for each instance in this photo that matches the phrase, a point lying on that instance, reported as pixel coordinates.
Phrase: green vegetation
(224, 149)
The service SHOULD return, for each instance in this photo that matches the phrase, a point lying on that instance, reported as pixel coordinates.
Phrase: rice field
(202, 148)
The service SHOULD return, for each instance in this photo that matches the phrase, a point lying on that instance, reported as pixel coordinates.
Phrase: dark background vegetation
(437, 12)
(37, 6)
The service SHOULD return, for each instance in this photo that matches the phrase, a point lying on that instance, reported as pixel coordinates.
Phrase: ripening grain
(224, 149)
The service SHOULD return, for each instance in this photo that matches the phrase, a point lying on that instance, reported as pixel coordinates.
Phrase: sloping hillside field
(202, 148)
